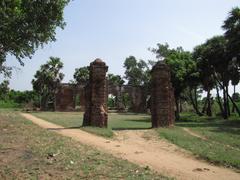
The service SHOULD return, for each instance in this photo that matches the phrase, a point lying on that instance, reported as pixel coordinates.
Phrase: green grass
(9, 104)
(115, 121)
(30, 152)
(223, 136)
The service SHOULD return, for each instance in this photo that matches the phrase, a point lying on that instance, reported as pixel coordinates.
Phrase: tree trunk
(228, 106)
(234, 91)
(204, 106)
(234, 104)
(180, 105)
(225, 115)
(209, 105)
(194, 101)
(219, 101)
(43, 106)
(177, 112)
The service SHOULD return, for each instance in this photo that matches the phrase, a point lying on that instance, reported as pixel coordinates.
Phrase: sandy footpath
(140, 147)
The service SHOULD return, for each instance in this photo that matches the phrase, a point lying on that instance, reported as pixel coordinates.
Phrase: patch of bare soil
(144, 148)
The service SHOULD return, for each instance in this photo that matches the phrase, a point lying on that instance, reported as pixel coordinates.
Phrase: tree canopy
(81, 75)
(25, 25)
(115, 79)
(232, 28)
(47, 79)
(137, 71)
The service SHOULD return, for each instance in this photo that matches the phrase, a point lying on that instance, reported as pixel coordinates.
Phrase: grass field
(221, 146)
(115, 122)
(30, 152)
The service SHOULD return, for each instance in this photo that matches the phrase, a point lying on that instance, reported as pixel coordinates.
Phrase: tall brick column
(96, 95)
(162, 97)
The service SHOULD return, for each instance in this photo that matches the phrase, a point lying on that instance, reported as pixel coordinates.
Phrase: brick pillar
(162, 97)
(96, 96)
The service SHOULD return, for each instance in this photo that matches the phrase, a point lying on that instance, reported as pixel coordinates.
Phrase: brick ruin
(67, 95)
(162, 96)
(96, 96)
(137, 97)
(65, 98)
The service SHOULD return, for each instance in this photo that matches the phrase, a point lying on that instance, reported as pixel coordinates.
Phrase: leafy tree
(27, 24)
(4, 89)
(115, 79)
(217, 69)
(47, 79)
(23, 97)
(137, 72)
(206, 77)
(81, 75)
(232, 28)
(236, 97)
(182, 68)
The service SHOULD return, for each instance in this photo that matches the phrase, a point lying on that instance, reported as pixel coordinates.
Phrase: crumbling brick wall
(162, 97)
(64, 98)
(96, 96)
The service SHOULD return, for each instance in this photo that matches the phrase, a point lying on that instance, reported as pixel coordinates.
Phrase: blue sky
(115, 29)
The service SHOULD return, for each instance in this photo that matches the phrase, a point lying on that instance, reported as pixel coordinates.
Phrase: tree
(232, 28)
(182, 68)
(47, 80)
(81, 75)
(115, 80)
(137, 72)
(216, 69)
(118, 81)
(25, 25)
(4, 89)
(206, 77)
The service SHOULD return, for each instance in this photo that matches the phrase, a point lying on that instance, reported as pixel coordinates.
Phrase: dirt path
(194, 134)
(142, 148)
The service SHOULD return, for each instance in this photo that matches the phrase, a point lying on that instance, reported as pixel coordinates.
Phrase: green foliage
(115, 80)
(47, 79)
(8, 104)
(26, 25)
(15, 99)
(137, 72)
(236, 97)
(126, 100)
(183, 68)
(111, 101)
(232, 28)
(4, 89)
(24, 97)
(81, 75)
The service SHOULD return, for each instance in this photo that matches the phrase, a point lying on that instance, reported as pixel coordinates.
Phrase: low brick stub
(162, 99)
(96, 95)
